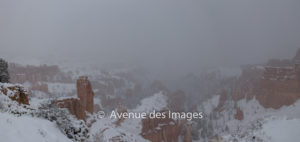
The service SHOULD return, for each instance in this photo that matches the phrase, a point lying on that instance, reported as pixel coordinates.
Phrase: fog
(168, 35)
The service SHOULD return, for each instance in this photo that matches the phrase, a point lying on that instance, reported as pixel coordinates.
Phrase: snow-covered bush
(70, 126)
(1, 106)
(4, 75)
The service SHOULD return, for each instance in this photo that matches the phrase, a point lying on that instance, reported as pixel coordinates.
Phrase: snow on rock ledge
(15, 92)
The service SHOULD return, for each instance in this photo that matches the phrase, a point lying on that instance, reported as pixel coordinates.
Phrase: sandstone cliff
(272, 86)
(84, 102)
(74, 106)
(161, 130)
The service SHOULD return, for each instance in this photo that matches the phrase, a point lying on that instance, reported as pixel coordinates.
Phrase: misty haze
(149, 71)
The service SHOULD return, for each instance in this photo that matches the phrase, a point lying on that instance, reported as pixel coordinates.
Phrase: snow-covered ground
(156, 102)
(28, 129)
(282, 130)
(259, 124)
(273, 129)
(105, 129)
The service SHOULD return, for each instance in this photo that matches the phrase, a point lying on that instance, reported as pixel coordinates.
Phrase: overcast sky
(169, 34)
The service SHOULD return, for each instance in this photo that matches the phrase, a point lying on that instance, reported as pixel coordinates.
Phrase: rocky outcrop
(188, 134)
(114, 88)
(273, 86)
(222, 99)
(247, 84)
(15, 92)
(34, 74)
(121, 109)
(85, 94)
(37, 77)
(279, 87)
(74, 106)
(161, 130)
(239, 115)
(84, 102)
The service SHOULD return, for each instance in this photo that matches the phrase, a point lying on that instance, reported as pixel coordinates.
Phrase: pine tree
(4, 75)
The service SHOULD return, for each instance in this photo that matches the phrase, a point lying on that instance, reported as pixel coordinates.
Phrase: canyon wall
(33, 74)
(273, 86)
(279, 87)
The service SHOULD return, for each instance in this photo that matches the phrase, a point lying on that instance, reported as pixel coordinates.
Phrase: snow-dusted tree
(1, 105)
(67, 123)
(4, 75)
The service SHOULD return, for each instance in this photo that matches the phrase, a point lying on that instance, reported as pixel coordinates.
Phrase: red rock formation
(281, 73)
(279, 87)
(161, 130)
(85, 93)
(246, 85)
(16, 93)
(273, 87)
(121, 109)
(222, 100)
(74, 106)
(34, 74)
(78, 107)
(279, 63)
(18, 78)
(239, 115)
(188, 134)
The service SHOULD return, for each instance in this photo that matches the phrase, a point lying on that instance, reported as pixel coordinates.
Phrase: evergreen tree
(4, 75)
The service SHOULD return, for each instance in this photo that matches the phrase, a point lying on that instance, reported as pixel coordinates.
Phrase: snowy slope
(105, 129)
(282, 130)
(273, 129)
(259, 124)
(156, 102)
(29, 129)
